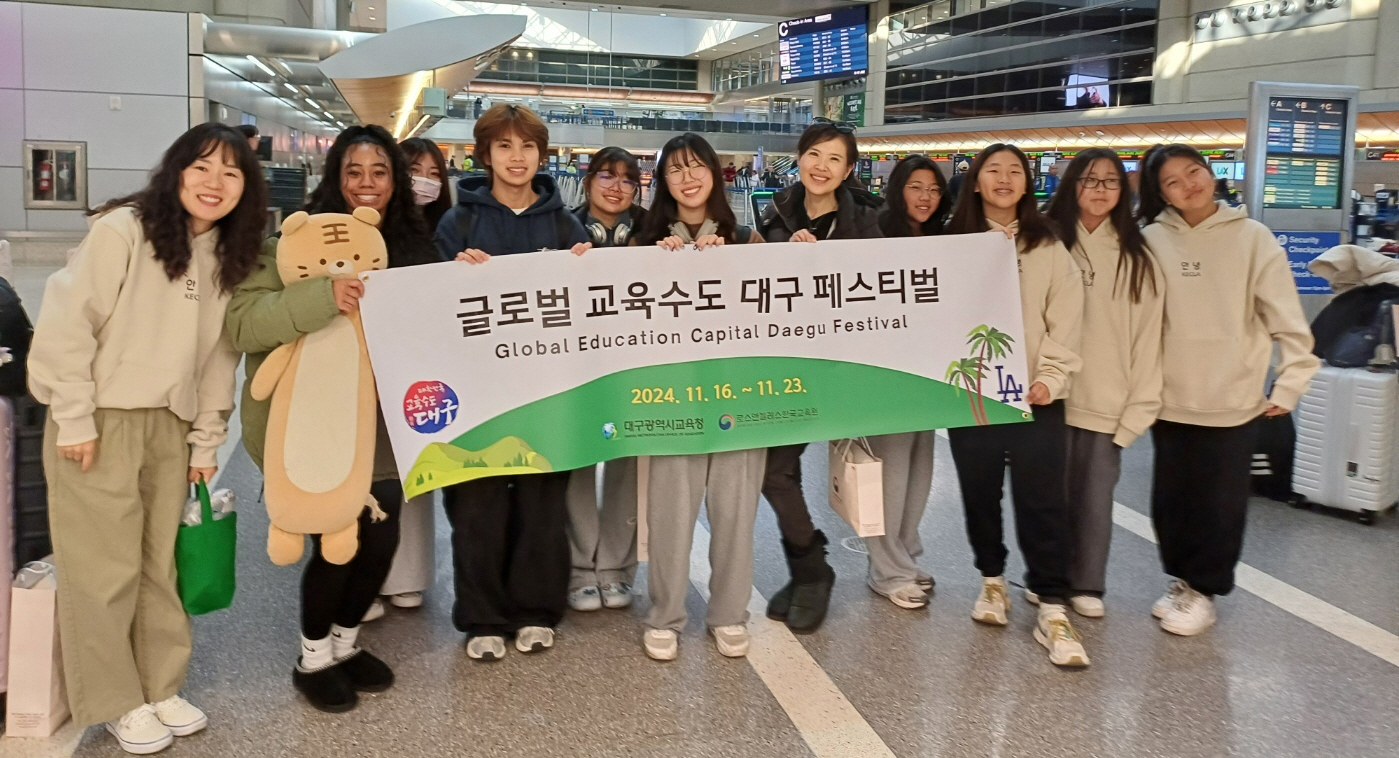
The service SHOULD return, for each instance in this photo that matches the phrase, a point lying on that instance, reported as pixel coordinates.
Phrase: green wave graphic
(811, 399)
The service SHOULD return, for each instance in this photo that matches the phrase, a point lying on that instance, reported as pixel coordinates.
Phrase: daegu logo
(726, 422)
(429, 407)
(1282, 239)
(609, 431)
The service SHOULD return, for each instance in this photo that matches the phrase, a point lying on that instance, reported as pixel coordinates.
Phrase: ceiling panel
(745, 10)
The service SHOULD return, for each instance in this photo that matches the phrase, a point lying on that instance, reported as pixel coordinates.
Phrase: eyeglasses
(678, 173)
(1092, 183)
(609, 180)
(932, 191)
(844, 127)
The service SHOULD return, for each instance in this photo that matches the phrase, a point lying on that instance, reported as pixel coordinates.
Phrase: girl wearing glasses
(603, 541)
(996, 196)
(1117, 394)
(1229, 297)
(821, 206)
(917, 199)
(690, 207)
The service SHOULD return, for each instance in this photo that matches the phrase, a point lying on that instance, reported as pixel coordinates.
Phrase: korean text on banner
(550, 361)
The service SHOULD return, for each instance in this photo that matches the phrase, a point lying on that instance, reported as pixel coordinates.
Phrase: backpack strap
(466, 218)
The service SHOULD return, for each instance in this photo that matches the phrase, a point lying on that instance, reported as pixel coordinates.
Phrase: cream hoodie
(115, 332)
(1051, 303)
(1118, 391)
(1229, 297)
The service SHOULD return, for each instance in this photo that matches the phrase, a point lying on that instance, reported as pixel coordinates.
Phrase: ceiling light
(294, 90)
(663, 14)
(262, 65)
(315, 104)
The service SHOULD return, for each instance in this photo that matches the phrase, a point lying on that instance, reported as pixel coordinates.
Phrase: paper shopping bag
(38, 703)
(857, 486)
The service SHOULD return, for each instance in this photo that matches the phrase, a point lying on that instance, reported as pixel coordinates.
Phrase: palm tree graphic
(987, 344)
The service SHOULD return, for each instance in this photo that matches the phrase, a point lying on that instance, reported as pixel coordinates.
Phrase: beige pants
(125, 635)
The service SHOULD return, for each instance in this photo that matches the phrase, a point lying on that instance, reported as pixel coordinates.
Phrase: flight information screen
(1306, 146)
(824, 46)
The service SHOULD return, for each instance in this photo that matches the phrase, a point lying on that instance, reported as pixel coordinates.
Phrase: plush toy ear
(295, 221)
(367, 215)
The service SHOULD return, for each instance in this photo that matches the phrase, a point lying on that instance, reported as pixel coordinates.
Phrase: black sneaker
(328, 689)
(365, 672)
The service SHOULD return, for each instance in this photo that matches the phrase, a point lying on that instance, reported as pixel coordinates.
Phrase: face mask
(425, 190)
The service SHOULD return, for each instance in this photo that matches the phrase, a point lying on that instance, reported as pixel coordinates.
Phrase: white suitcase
(1347, 453)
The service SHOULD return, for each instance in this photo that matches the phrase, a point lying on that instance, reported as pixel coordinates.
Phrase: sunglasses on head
(844, 127)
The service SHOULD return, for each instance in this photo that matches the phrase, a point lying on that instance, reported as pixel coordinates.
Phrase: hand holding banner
(550, 361)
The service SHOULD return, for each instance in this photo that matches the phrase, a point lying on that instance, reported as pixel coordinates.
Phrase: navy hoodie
(497, 230)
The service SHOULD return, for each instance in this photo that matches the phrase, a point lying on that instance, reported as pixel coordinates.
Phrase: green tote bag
(204, 558)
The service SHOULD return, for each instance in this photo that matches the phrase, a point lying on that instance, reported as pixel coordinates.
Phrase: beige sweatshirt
(1051, 303)
(1229, 297)
(1118, 391)
(115, 332)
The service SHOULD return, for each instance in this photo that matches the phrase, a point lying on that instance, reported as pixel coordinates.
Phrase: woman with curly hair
(363, 168)
(131, 357)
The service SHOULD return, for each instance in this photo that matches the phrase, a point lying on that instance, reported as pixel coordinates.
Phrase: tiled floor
(1263, 683)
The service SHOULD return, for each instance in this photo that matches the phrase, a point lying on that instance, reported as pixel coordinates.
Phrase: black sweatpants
(1037, 458)
(332, 594)
(1199, 500)
(509, 551)
(782, 486)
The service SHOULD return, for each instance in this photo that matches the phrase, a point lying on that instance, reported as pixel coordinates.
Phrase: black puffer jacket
(857, 214)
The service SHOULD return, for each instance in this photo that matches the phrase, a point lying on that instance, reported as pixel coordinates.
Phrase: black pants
(1199, 500)
(1037, 458)
(509, 551)
(782, 486)
(332, 594)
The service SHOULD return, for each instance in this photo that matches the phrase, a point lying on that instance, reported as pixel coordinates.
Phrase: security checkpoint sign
(549, 361)
(1302, 248)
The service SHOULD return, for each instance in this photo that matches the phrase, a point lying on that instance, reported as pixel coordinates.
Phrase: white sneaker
(732, 640)
(1032, 598)
(488, 648)
(992, 606)
(1173, 590)
(534, 639)
(375, 612)
(1191, 614)
(407, 600)
(1054, 631)
(584, 599)
(181, 718)
(1088, 606)
(909, 596)
(140, 732)
(661, 644)
(616, 595)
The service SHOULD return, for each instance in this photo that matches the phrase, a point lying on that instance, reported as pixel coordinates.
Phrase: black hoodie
(481, 222)
(857, 214)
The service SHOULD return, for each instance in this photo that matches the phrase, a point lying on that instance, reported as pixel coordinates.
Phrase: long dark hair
(665, 211)
(405, 232)
(415, 148)
(165, 222)
(617, 161)
(1153, 202)
(896, 216)
(1064, 211)
(968, 217)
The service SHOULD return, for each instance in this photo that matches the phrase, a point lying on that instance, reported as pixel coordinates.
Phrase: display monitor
(1130, 166)
(824, 45)
(1305, 152)
(1087, 91)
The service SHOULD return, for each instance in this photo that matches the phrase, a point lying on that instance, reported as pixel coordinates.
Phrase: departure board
(824, 46)
(1306, 145)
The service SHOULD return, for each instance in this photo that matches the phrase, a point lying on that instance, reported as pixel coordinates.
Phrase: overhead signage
(824, 46)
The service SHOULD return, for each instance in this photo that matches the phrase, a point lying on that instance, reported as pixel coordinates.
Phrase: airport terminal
(378, 377)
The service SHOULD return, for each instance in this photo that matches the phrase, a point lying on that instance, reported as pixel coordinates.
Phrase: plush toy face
(336, 245)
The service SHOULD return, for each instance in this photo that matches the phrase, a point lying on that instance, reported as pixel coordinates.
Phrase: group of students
(140, 334)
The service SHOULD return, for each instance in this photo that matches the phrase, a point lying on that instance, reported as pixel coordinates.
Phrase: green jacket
(265, 314)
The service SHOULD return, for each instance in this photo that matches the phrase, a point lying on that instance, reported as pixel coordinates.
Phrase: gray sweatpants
(908, 480)
(729, 485)
(415, 562)
(602, 540)
(1094, 465)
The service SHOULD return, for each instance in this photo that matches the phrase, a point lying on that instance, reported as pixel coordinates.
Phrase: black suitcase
(31, 493)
